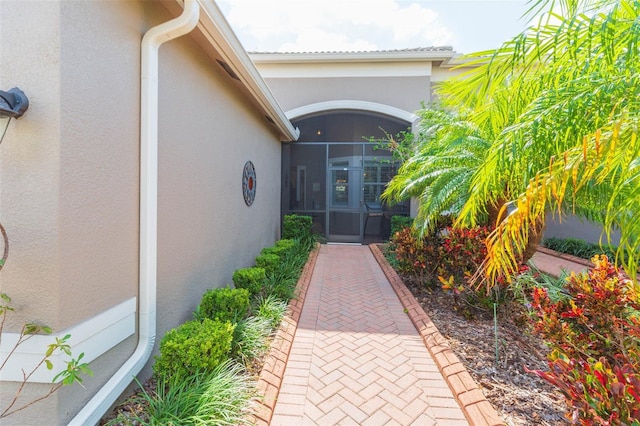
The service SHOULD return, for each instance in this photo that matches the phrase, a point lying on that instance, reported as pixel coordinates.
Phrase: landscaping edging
(565, 256)
(272, 373)
(476, 408)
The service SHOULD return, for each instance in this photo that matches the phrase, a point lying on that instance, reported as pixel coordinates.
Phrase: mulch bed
(521, 398)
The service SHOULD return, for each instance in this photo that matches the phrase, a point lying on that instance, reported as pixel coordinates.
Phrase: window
(376, 176)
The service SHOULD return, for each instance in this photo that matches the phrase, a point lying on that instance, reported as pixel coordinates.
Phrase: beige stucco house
(85, 202)
(339, 100)
(121, 186)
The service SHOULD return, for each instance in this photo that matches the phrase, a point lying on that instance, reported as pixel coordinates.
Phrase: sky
(363, 25)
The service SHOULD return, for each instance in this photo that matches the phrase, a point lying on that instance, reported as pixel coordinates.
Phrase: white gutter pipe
(151, 42)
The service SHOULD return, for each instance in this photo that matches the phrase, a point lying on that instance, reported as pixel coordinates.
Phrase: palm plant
(569, 138)
(549, 121)
(448, 151)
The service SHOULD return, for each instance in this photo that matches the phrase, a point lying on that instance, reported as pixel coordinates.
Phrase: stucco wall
(207, 133)
(405, 93)
(574, 227)
(69, 176)
(29, 178)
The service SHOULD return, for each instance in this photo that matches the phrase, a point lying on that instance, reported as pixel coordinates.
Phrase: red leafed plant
(462, 251)
(416, 257)
(594, 334)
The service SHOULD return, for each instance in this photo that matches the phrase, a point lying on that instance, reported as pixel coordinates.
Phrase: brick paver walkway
(356, 358)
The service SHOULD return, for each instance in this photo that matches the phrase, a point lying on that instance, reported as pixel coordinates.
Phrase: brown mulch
(521, 398)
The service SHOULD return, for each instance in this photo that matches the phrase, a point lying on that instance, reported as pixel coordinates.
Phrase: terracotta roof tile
(413, 49)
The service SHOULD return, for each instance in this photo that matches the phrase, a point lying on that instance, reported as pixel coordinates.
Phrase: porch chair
(373, 210)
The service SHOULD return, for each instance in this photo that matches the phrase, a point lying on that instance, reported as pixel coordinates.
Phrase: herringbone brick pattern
(356, 358)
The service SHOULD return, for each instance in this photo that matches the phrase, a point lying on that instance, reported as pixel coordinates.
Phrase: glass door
(344, 193)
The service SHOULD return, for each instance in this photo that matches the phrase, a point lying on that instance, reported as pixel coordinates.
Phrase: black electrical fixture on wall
(13, 103)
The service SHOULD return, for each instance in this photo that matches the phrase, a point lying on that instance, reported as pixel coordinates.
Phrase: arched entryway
(333, 174)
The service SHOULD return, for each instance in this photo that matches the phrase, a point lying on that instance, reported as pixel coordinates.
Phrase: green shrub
(578, 248)
(283, 263)
(251, 279)
(280, 251)
(297, 227)
(224, 304)
(269, 250)
(284, 247)
(193, 347)
(268, 261)
(400, 222)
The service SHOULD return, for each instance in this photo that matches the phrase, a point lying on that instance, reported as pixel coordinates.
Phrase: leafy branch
(70, 375)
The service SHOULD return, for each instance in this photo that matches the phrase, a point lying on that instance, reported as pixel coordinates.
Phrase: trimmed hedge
(278, 251)
(225, 304)
(284, 246)
(193, 347)
(268, 261)
(251, 279)
(297, 227)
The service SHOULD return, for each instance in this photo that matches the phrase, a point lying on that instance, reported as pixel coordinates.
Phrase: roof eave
(305, 57)
(219, 34)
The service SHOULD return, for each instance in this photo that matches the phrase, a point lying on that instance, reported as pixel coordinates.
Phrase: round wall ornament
(249, 183)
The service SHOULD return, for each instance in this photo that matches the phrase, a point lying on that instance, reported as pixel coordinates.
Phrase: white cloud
(420, 23)
(321, 25)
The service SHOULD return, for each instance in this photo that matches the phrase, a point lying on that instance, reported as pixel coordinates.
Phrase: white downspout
(151, 42)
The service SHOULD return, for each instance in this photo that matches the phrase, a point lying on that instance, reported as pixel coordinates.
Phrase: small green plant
(224, 304)
(282, 279)
(398, 223)
(71, 374)
(524, 283)
(217, 397)
(250, 339)
(280, 285)
(251, 279)
(280, 252)
(270, 308)
(193, 347)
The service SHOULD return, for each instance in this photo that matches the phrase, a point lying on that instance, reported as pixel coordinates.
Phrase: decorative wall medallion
(249, 183)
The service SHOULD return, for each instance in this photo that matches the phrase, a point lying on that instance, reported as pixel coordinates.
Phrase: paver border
(475, 406)
(565, 256)
(272, 374)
